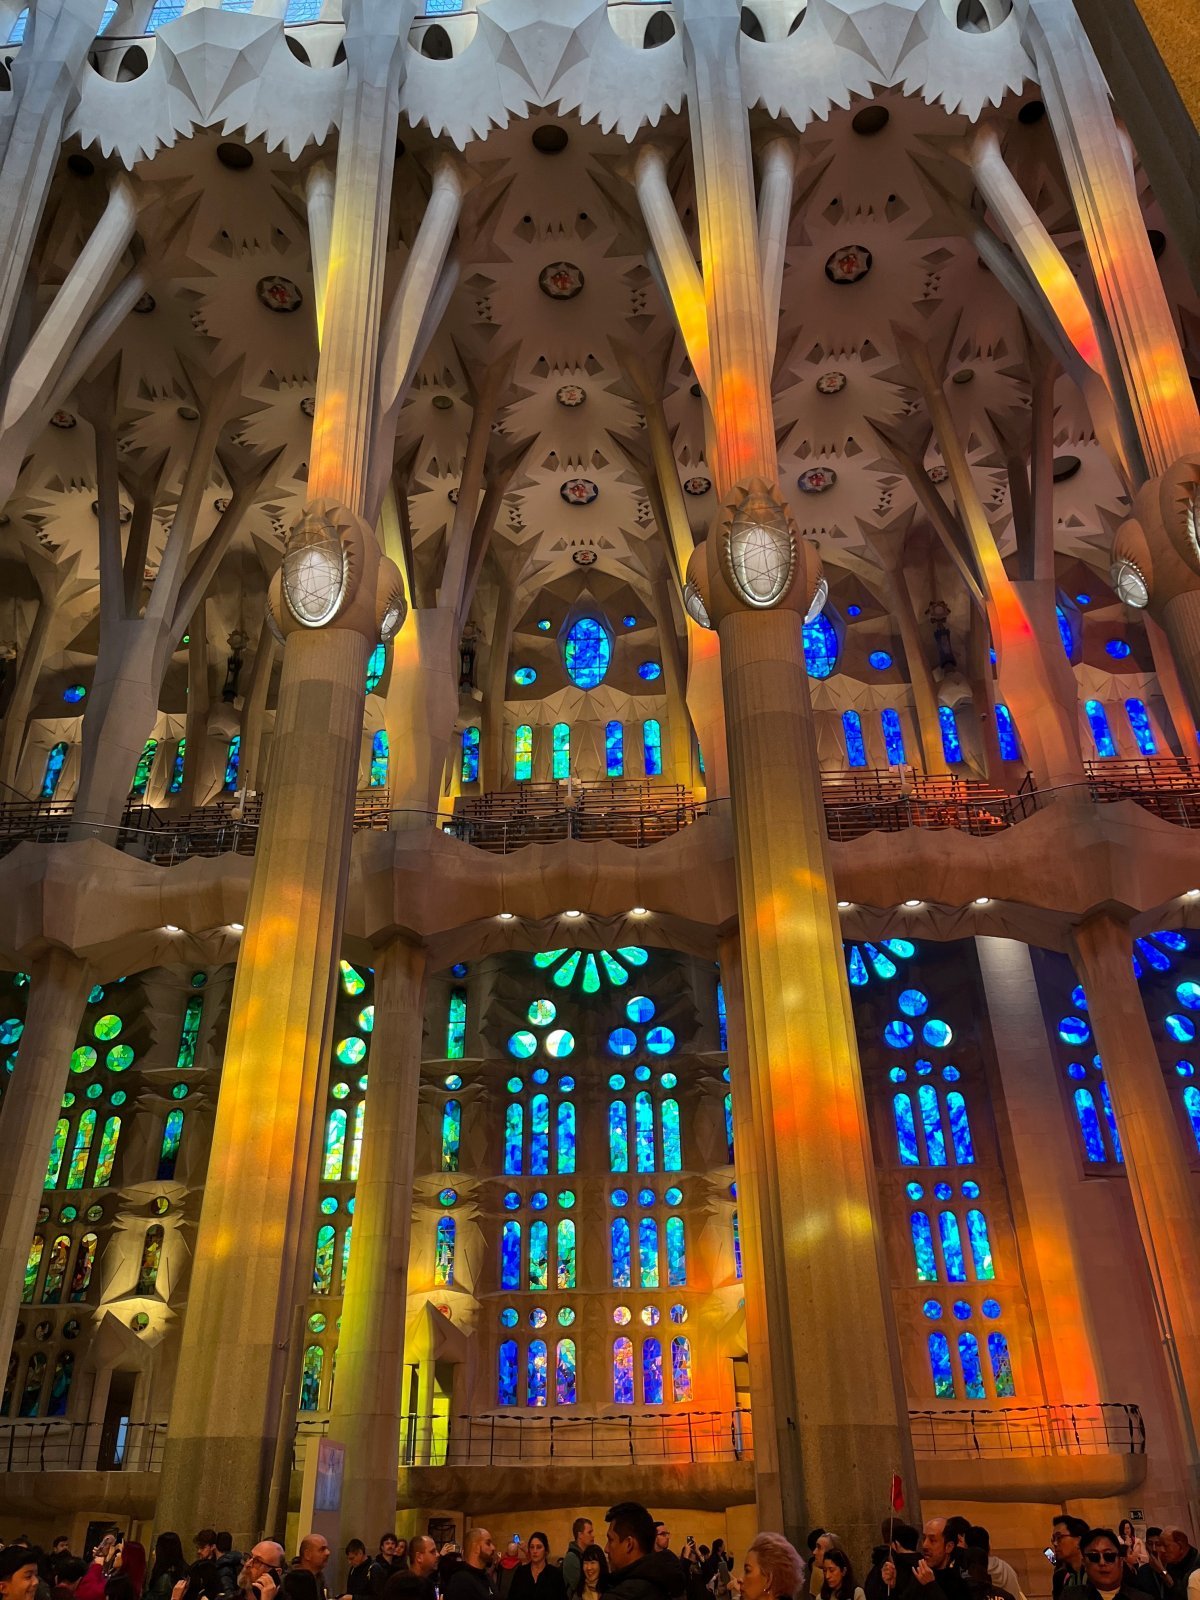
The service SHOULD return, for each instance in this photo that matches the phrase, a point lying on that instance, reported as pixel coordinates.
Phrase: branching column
(368, 1396)
(841, 1420)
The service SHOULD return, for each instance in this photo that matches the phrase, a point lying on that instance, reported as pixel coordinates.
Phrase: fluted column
(369, 1395)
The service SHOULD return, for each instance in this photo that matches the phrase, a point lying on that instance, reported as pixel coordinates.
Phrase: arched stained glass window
(737, 1247)
(1002, 1372)
(652, 746)
(856, 750)
(561, 757)
(107, 1153)
(377, 660)
(310, 1378)
(621, 1258)
(510, 1255)
(470, 755)
(614, 749)
(31, 1395)
(960, 1129)
(523, 753)
(820, 647)
(565, 1152)
(566, 1254)
(922, 1237)
(981, 1245)
(456, 1025)
(233, 762)
(1089, 1126)
(60, 1384)
(728, 1129)
(539, 1135)
(952, 1254)
(1111, 1122)
(514, 1137)
(618, 1137)
(323, 1260)
(672, 1147)
(643, 1115)
(1101, 732)
(346, 1238)
(55, 762)
(539, 1255)
(177, 766)
(507, 1373)
(85, 1259)
(189, 1033)
(676, 1253)
(623, 1371)
(169, 1153)
(652, 1372)
(1065, 632)
(536, 1373)
(379, 759)
(931, 1121)
(151, 1260)
(939, 1363)
(951, 744)
(1139, 721)
(335, 1145)
(451, 1135)
(58, 1149)
(648, 1252)
(906, 1131)
(84, 1134)
(1006, 734)
(681, 1370)
(1191, 1104)
(16, 34)
(893, 738)
(968, 1355)
(141, 776)
(587, 652)
(33, 1262)
(722, 1020)
(56, 1270)
(564, 1373)
(443, 1263)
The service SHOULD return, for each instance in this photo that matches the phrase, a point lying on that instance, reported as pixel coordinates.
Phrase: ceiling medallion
(816, 480)
(697, 485)
(308, 405)
(452, 496)
(221, 506)
(848, 265)
(279, 294)
(831, 383)
(579, 491)
(938, 474)
(571, 394)
(145, 305)
(561, 280)
(584, 558)
(62, 419)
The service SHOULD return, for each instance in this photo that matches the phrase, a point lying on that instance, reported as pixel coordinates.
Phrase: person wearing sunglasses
(1106, 1574)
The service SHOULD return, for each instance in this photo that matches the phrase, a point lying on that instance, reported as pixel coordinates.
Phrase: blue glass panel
(379, 759)
(1065, 632)
(856, 750)
(618, 1137)
(564, 1373)
(820, 647)
(857, 967)
(1089, 1126)
(672, 1152)
(722, 1018)
(1002, 1372)
(443, 8)
(660, 1041)
(614, 749)
(1139, 721)
(649, 670)
(968, 1354)
(510, 1255)
(303, 11)
(939, 1363)
(898, 1034)
(514, 1131)
(1152, 956)
(981, 1245)
(55, 762)
(587, 653)
(623, 1371)
(652, 1372)
(1101, 732)
(162, 12)
(882, 965)
(451, 1135)
(443, 1263)
(176, 782)
(906, 1132)
(1172, 940)
(681, 1369)
(729, 1127)
(523, 753)
(565, 1273)
(880, 660)
(1074, 1030)
(1006, 733)
(737, 1240)
(643, 1115)
(565, 1153)
(937, 1033)
(233, 761)
(378, 657)
(539, 1255)
(507, 1368)
(931, 1120)
(17, 31)
(1180, 1027)
(652, 746)
(676, 1254)
(539, 1135)
(893, 737)
(960, 1129)
(951, 745)
(1191, 1104)
(1111, 1120)
(952, 1255)
(922, 1236)
(536, 1373)
(622, 1041)
(470, 755)
(621, 1257)
(913, 1003)
(1117, 648)
(561, 756)
(648, 1253)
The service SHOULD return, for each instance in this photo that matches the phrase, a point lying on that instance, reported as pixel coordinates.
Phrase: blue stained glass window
(880, 660)
(931, 1120)
(524, 676)
(1188, 994)
(672, 1151)
(539, 1255)
(939, 1363)
(981, 1246)
(507, 1369)
(652, 1372)
(564, 1373)
(899, 1035)
(456, 1025)
(536, 1373)
(378, 657)
(1117, 648)
(1101, 732)
(622, 1041)
(952, 1254)
(303, 11)
(883, 966)
(938, 1034)
(820, 647)
(56, 760)
(648, 1253)
(614, 749)
(621, 1254)
(17, 31)
(649, 670)
(451, 1135)
(906, 1131)
(951, 745)
(968, 1354)
(1001, 1361)
(565, 1151)
(310, 1379)
(640, 1008)
(857, 968)
(523, 753)
(470, 755)
(169, 1152)
(623, 1371)
(922, 1237)
(681, 1369)
(539, 1135)
(379, 759)
(643, 1115)
(960, 1129)
(652, 746)
(514, 1130)
(660, 1041)
(1180, 1027)
(1111, 1120)
(737, 1244)
(1139, 721)
(1065, 632)
(722, 1017)
(913, 1003)
(618, 1137)
(443, 8)
(1074, 1030)
(587, 653)
(893, 737)
(729, 1127)
(676, 1254)
(443, 1267)
(510, 1255)
(1191, 1104)
(561, 759)
(233, 761)
(1006, 733)
(180, 757)
(565, 1273)
(856, 750)
(323, 1260)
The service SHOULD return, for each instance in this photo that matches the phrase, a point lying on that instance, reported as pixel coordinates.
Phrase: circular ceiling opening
(80, 166)
(871, 120)
(549, 139)
(1066, 467)
(1032, 111)
(234, 156)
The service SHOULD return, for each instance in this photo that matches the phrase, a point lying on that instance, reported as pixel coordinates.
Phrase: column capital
(333, 575)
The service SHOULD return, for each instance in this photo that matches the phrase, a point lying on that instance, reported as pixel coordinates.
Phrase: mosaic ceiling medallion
(831, 383)
(308, 405)
(561, 280)
(584, 558)
(816, 480)
(571, 395)
(848, 265)
(939, 474)
(145, 305)
(62, 419)
(579, 491)
(279, 294)
(452, 496)
(221, 506)
(697, 485)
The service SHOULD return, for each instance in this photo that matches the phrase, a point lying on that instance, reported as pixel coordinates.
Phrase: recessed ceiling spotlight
(637, 911)
(984, 900)
(911, 903)
(169, 927)
(506, 916)
(1192, 894)
(844, 905)
(572, 913)
(236, 927)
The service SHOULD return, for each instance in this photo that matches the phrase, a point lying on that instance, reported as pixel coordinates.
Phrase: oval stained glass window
(522, 1044)
(587, 652)
(83, 1059)
(107, 1027)
(351, 1051)
(119, 1058)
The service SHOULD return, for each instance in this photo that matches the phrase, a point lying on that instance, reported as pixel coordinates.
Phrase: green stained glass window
(323, 1259)
(58, 1149)
(366, 1019)
(107, 1154)
(568, 969)
(119, 1058)
(84, 1135)
(566, 1254)
(168, 1155)
(351, 1051)
(314, 1361)
(85, 1260)
(233, 761)
(189, 1032)
(591, 974)
(547, 958)
(83, 1058)
(456, 1025)
(96, 994)
(523, 753)
(56, 1270)
(470, 755)
(353, 981)
(346, 1239)
(379, 760)
(335, 1145)
(443, 1269)
(375, 666)
(151, 1260)
(617, 974)
(141, 776)
(356, 1140)
(107, 1027)
(33, 1262)
(451, 1135)
(561, 768)
(176, 782)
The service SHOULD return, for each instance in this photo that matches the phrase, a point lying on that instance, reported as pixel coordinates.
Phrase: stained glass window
(566, 1254)
(177, 765)
(510, 1255)
(981, 1245)
(621, 1256)
(539, 1255)
(58, 1149)
(335, 1145)
(189, 1032)
(1191, 1104)
(648, 1253)
(323, 1260)
(107, 1153)
(1089, 1126)
(676, 1253)
(151, 1259)
(353, 981)
(614, 749)
(952, 1254)
(310, 1378)
(820, 647)
(922, 1237)
(443, 1265)
(652, 1372)
(16, 34)
(1101, 732)
(618, 1137)
(960, 1129)
(536, 1373)
(456, 1025)
(507, 1373)
(1006, 733)
(84, 1134)
(566, 1137)
(31, 1395)
(652, 746)
(33, 1262)
(303, 11)
(623, 1371)
(1065, 632)
(951, 744)
(60, 1385)
(470, 755)
(233, 761)
(85, 1258)
(514, 1133)
(1002, 1372)
(564, 1373)
(539, 1135)
(643, 1115)
(931, 1120)
(968, 1355)
(55, 762)
(856, 750)
(523, 753)
(561, 758)
(672, 1147)
(379, 759)
(451, 1135)
(56, 1270)
(141, 776)
(906, 1131)
(939, 1362)
(681, 1370)
(893, 738)
(587, 653)
(1139, 721)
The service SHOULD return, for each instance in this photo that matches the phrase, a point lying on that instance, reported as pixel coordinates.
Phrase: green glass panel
(58, 1148)
(141, 776)
(82, 1150)
(189, 1032)
(120, 1058)
(568, 969)
(591, 974)
(108, 1152)
(547, 958)
(32, 1262)
(83, 1058)
(353, 981)
(107, 1027)
(616, 972)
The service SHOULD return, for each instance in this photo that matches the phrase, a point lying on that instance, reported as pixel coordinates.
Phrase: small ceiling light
(236, 927)
(911, 903)
(637, 911)
(984, 900)
(507, 916)
(1192, 894)
(844, 905)
(572, 913)
(169, 927)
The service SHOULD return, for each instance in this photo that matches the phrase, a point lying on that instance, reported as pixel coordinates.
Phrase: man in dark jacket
(358, 1570)
(229, 1563)
(472, 1581)
(935, 1576)
(417, 1581)
(636, 1570)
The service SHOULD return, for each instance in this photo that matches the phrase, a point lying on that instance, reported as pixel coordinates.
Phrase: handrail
(1105, 1427)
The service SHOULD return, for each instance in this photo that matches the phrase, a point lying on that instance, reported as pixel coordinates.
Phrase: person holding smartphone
(262, 1570)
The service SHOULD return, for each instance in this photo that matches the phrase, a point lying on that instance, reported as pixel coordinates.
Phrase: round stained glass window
(898, 1075)
(660, 1041)
(962, 1310)
(537, 1318)
(68, 1100)
(448, 1197)
(180, 1091)
(622, 1316)
(566, 1317)
(642, 1074)
(459, 969)
(96, 994)
(880, 660)
(646, 1197)
(543, 624)
(453, 1081)
(649, 670)
(139, 1322)
(913, 1003)
(525, 676)
(924, 1068)
(542, 1013)
(970, 1191)
(94, 1091)
(11, 1030)
(668, 1080)
(362, 1083)
(620, 1197)
(515, 1085)
(1079, 998)
(951, 1074)
(559, 1042)
(366, 1019)
(1077, 1070)
(679, 1313)
(587, 652)
(914, 1191)
(566, 1085)
(1185, 1069)
(71, 1328)
(74, 693)
(1188, 994)
(538, 1199)
(118, 1099)
(1117, 648)
(674, 1197)
(107, 1027)
(1073, 1030)
(339, 1090)
(566, 1198)
(622, 1041)
(512, 1200)
(68, 1214)
(329, 1205)
(522, 1044)
(316, 1323)
(351, 1051)
(95, 1213)
(540, 1075)
(651, 1316)
(508, 1317)
(83, 1058)
(991, 1308)
(938, 1034)
(932, 1309)
(629, 621)
(616, 1081)
(1180, 1027)
(639, 1009)
(898, 1034)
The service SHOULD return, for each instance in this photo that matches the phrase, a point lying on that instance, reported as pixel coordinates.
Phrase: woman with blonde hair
(772, 1569)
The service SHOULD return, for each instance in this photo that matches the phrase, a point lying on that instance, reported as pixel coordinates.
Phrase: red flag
(897, 1492)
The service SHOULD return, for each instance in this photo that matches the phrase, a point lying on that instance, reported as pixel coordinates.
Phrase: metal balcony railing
(62, 1446)
(1107, 1428)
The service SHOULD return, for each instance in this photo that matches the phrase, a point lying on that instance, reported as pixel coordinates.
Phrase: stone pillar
(1160, 1183)
(369, 1395)
(58, 991)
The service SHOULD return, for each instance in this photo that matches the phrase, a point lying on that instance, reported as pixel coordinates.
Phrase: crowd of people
(949, 1559)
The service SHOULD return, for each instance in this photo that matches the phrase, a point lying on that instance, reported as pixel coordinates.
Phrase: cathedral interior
(600, 649)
